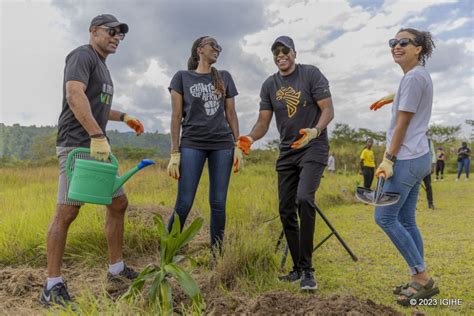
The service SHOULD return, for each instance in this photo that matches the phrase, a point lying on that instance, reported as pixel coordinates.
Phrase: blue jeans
(398, 220)
(464, 163)
(190, 170)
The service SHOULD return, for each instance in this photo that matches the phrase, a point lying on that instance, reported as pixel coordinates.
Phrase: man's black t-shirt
(293, 100)
(84, 64)
(204, 124)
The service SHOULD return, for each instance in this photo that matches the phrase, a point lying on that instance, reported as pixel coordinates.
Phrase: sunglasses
(213, 45)
(282, 49)
(113, 32)
(403, 42)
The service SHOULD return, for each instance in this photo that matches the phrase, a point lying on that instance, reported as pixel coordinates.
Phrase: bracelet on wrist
(97, 135)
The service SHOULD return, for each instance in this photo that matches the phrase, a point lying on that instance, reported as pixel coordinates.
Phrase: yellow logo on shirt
(291, 97)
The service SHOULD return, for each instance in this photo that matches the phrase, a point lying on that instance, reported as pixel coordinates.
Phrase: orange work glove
(244, 143)
(385, 100)
(308, 135)
(134, 124)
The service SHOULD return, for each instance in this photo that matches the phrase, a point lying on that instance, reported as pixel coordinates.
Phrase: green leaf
(185, 281)
(161, 227)
(176, 228)
(188, 234)
(178, 259)
(137, 285)
(166, 298)
(153, 291)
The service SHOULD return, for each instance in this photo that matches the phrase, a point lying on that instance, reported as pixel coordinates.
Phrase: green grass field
(249, 265)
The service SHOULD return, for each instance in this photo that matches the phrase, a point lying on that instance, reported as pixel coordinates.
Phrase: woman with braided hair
(407, 160)
(203, 112)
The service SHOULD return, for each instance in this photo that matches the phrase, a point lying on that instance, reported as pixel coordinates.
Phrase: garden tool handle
(112, 158)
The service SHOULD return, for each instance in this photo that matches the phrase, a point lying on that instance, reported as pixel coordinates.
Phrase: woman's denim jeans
(398, 220)
(190, 170)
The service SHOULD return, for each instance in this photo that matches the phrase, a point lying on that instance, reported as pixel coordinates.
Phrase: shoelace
(63, 291)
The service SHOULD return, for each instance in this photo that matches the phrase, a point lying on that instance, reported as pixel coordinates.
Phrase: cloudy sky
(345, 39)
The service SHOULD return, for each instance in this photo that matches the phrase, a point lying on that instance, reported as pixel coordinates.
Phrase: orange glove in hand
(385, 100)
(308, 135)
(134, 124)
(244, 143)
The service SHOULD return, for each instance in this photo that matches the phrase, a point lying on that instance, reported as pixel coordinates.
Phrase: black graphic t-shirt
(204, 124)
(293, 100)
(85, 65)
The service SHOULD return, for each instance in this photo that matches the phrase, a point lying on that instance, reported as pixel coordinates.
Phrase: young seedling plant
(159, 275)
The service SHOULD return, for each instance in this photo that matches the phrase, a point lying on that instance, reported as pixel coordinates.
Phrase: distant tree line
(36, 145)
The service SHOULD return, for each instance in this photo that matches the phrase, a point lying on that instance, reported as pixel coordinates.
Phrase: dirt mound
(146, 213)
(282, 302)
(19, 290)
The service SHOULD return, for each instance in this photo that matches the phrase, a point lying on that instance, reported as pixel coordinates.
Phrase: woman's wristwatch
(390, 157)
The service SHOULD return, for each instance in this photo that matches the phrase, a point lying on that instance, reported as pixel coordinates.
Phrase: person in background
(331, 163)
(463, 160)
(427, 179)
(440, 164)
(367, 163)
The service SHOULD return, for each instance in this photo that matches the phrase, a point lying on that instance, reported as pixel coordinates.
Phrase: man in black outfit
(300, 98)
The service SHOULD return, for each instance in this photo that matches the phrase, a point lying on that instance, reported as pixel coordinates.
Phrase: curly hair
(193, 63)
(423, 39)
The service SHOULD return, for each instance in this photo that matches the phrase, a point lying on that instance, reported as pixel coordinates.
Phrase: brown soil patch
(20, 287)
(285, 303)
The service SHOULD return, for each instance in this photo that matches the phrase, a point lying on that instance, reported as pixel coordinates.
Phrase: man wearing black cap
(86, 109)
(299, 96)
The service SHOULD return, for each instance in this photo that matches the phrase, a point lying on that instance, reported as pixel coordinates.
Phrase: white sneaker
(457, 179)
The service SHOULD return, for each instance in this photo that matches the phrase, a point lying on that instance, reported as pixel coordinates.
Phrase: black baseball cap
(285, 41)
(110, 21)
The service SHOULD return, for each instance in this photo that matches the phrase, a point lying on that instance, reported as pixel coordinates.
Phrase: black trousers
(368, 173)
(428, 188)
(298, 180)
(439, 168)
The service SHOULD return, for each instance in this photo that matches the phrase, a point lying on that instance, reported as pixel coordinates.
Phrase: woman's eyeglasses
(282, 49)
(113, 32)
(213, 45)
(403, 42)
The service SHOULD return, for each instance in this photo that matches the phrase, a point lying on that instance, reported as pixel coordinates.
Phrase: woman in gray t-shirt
(407, 160)
(203, 112)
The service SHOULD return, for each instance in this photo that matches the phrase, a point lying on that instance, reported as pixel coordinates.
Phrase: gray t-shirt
(204, 125)
(415, 95)
(293, 100)
(84, 64)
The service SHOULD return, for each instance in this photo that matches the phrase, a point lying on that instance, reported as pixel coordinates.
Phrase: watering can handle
(113, 159)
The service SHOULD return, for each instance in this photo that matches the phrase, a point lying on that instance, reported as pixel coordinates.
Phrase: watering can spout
(119, 181)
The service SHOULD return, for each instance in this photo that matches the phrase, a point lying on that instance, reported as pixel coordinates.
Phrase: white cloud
(348, 44)
(447, 26)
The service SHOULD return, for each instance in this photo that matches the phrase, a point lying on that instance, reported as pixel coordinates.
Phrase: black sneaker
(431, 206)
(308, 282)
(58, 294)
(293, 276)
(127, 274)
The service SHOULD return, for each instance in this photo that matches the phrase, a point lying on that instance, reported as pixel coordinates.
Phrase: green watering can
(94, 181)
